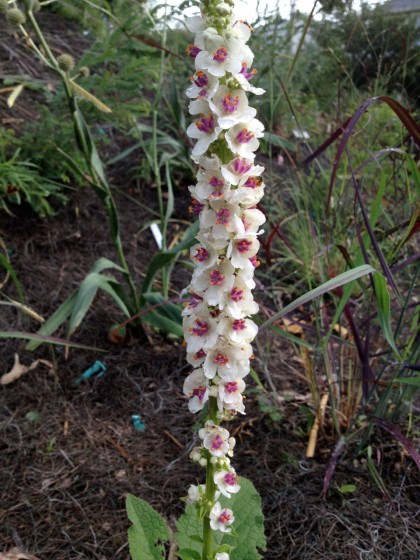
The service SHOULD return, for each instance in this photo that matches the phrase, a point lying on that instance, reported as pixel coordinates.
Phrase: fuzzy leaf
(188, 554)
(249, 525)
(148, 530)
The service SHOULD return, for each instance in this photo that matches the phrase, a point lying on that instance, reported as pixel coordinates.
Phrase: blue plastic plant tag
(98, 370)
(138, 424)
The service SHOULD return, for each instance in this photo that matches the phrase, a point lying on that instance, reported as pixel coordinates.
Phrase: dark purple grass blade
(332, 463)
(397, 435)
(402, 113)
(325, 145)
(275, 229)
(387, 272)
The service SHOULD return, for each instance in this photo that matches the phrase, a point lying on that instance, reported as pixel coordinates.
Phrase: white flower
(196, 387)
(196, 358)
(210, 186)
(239, 169)
(213, 282)
(238, 331)
(248, 193)
(239, 301)
(203, 255)
(246, 277)
(252, 219)
(200, 331)
(227, 482)
(222, 556)
(216, 439)
(223, 218)
(196, 24)
(230, 395)
(205, 130)
(242, 138)
(193, 304)
(222, 56)
(231, 107)
(221, 518)
(241, 250)
(195, 493)
(244, 76)
(228, 361)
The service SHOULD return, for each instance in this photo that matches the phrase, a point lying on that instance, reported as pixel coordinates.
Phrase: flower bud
(66, 62)
(224, 9)
(15, 17)
(84, 71)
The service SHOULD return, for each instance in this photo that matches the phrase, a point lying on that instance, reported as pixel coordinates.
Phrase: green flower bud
(15, 17)
(66, 62)
(84, 71)
(3, 6)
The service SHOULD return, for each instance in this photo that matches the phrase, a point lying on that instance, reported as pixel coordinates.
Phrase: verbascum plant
(217, 327)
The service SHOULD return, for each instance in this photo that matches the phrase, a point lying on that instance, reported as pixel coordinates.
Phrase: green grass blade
(40, 339)
(10, 270)
(383, 305)
(340, 280)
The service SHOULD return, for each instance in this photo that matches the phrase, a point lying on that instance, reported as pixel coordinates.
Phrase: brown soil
(69, 453)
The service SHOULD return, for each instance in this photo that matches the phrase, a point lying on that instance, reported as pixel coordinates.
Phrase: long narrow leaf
(10, 271)
(59, 317)
(383, 305)
(398, 436)
(344, 278)
(40, 339)
(402, 113)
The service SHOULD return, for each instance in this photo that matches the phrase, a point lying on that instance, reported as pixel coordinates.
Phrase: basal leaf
(189, 554)
(148, 530)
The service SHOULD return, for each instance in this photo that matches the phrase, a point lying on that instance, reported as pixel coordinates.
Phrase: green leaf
(85, 295)
(76, 306)
(163, 324)
(167, 308)
(188, 554)
(59, 317)
(408, 381)
(148, 530)
(347, 488)
(340, 280)
(40, 339)
(10, 271)
(383, 305)
(248, 525)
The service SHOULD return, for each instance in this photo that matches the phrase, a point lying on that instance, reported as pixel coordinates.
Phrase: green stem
(210, 491)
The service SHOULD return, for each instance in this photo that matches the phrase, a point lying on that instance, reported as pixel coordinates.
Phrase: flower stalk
(217, 326)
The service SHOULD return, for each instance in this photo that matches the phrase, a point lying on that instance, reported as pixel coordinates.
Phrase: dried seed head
(66, 62)
(3, 6)
(15, 17)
